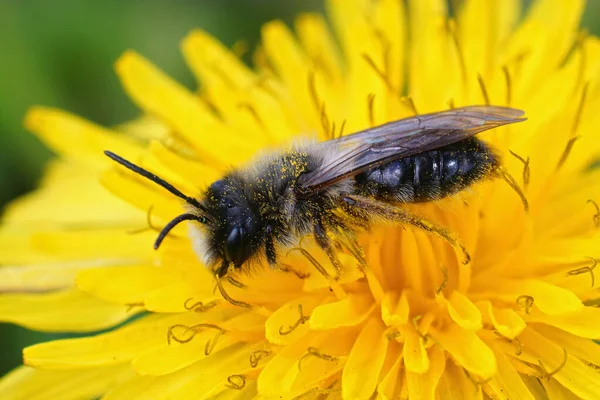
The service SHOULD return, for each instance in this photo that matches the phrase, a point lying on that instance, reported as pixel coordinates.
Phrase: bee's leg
(222, 270)
(396, 214)
(270, 248)
(325, 243)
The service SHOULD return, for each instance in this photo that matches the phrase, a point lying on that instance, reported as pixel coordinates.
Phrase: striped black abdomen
(428, 176)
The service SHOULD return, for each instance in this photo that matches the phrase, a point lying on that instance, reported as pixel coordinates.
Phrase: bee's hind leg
(366, 206)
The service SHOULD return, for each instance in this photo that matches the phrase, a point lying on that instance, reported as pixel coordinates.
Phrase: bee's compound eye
(235, 249)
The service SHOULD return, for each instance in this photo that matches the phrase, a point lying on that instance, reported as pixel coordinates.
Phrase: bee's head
(233, 229)
(234, 234)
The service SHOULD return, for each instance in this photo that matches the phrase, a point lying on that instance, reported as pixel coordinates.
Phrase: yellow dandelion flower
(518, 322)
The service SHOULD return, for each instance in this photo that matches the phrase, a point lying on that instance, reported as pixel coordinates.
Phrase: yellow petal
(68, 200)
(348, 312)
(249, 391)
(576, 191)
(584, 322)
(193, 382)
(390, 385)
(319, 44)
(583, 348)
(203, 52)
(159, 95)
(390, 18)
(291, 64)
(75, 138)
(410, 253)
(68, 310)
(535, 386)
(375, 286)
(146, 127)
(456, 385)
(468, 350)
(175, 297)
(246, 326)
(555, 390)
(563, 251)
(142, 194)
(240, 96)
(223, 329)
(506, 321)
(361, 372)
(395, 309)
(350, 272)
(365, 85)
(236, 92)
(325, 358)
(464, 312)
(125, 285)
(230, 89)
(42, 277)
(192, 172)
(582, 380)
(415, 355)
(431, 46)
(167, 359)
(281, 371)
(507, 383)
(550, 299)
(286, 324)
(423, 386)
(110, 348)
(126, 247)
(28, 383)
(166, 171)
(268, 286)
(484, 27)
(16, 248)
(552, 44)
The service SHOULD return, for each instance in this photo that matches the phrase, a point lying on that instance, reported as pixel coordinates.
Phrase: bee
(337, 187)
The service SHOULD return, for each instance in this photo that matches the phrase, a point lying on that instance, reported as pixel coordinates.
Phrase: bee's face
(235, 232)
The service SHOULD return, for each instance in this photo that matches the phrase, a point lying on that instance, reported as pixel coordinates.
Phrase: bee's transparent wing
(366, 149)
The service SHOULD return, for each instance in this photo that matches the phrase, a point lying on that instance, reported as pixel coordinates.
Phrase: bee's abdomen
(428, 176)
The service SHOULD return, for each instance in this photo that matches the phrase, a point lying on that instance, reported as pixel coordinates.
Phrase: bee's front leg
(270, 251)
(325, 243)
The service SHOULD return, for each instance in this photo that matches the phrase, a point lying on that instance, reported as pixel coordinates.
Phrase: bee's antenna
(176, 221)
(161, 182)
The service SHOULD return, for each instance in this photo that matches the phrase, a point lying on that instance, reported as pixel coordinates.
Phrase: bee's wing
(366, 149)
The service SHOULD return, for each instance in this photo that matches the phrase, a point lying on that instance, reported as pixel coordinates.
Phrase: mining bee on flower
(337, 186)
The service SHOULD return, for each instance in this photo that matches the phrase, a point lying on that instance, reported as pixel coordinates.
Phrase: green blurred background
(60, 53)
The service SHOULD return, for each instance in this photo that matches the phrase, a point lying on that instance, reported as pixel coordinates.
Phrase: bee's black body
(427, 176)
(263, 206)
(251, 208)
(338, 186)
